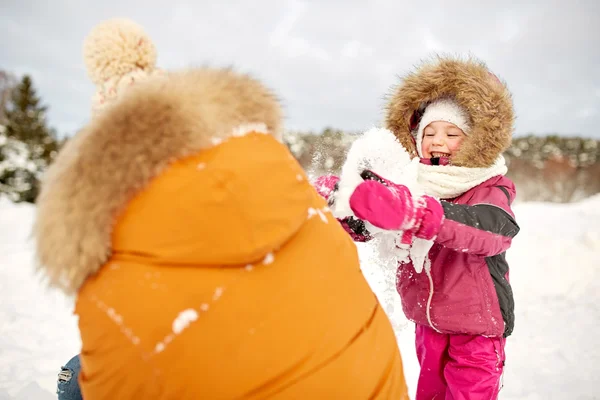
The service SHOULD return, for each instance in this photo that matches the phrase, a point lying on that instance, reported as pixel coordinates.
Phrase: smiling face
(441, 139)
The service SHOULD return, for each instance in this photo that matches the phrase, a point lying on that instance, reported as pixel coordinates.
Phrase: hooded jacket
(204, 263)
(466, 290)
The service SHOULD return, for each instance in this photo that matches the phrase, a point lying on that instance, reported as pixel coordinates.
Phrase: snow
(38, 332)
(245, 129)
(269, 258)
(184, 319)
(160, 347)
(377, 150)
(552, 354)
(15, 159)
(218, 293)
(320, 212)
(418, 253)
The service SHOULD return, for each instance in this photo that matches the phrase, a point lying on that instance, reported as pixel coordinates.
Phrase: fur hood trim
(469, 82)
(121, 150)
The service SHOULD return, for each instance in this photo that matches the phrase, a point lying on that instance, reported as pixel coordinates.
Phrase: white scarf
(448, 181)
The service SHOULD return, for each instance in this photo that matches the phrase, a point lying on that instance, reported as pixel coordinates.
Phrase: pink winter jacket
(468, 290)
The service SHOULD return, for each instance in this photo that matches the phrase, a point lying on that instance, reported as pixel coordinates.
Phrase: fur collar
(124, 148)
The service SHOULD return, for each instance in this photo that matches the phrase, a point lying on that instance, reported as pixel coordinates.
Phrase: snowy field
(554, 352)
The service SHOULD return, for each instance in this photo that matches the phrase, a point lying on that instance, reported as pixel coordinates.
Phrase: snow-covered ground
(553, 354)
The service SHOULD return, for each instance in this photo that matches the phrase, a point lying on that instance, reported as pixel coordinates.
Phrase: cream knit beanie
(117, 53)
(443, 109)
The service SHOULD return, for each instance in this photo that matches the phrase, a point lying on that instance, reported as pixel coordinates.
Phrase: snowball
(379, 151)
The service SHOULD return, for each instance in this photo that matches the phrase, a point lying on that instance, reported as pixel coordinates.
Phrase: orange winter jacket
(231, 280)
(223, 275)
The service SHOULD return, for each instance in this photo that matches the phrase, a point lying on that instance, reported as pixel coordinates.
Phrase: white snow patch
(160, 347)
(249, 267)
(389, 249)
(204, 307)
(377, 150)
(218, 293)
(418, 253)
(245, 129)
(320, 212)
(114, 316)
(322, 216)
(184, 319)
(269, 258)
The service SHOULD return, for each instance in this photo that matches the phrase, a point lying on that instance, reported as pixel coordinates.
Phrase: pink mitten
(430, 217)
(387, 205)
(326, 186)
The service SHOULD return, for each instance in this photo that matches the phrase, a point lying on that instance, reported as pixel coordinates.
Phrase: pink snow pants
(458, 367)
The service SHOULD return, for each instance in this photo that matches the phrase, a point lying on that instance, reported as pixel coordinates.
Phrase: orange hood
(240, 201)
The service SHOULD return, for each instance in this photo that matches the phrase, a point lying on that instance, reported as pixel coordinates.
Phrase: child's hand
(383, 203)
(326, 186)
(389, 206)
(431, 217)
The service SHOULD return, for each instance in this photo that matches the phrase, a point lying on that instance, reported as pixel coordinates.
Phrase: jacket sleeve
(356, 229)
(486, 227)
(326, 186)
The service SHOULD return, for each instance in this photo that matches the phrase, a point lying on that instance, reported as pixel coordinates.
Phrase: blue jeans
(67, 386)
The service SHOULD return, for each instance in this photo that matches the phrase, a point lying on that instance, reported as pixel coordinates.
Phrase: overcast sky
(331, 61)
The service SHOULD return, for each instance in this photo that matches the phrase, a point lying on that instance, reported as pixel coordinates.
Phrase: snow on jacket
(204, 263)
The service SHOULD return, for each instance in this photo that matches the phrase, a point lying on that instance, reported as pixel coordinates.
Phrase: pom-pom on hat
(117, 53)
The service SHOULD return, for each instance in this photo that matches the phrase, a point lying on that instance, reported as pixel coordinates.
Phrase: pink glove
(431, 218)
(387, 205)
(326, 185)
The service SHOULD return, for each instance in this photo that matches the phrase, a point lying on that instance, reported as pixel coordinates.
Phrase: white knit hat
(444, 109)
(117, 53)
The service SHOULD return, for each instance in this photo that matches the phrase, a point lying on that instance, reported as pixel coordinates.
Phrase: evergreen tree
(27, 145)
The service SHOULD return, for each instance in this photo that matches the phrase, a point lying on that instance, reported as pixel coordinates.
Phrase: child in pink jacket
(457, 117)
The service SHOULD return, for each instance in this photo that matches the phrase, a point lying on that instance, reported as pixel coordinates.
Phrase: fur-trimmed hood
(471, 84)
(133, 140)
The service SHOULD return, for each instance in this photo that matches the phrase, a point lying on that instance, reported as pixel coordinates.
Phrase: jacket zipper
(428, 309)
